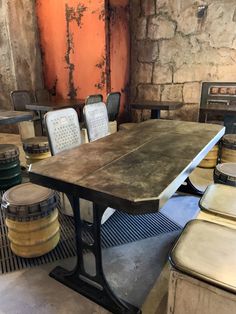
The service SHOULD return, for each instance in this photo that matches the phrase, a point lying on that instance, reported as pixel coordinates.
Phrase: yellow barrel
(32, 219)
(36, 149)
(228, 152)
(210, 161)
(34, 238)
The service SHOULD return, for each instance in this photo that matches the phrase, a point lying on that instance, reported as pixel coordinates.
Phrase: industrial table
(135, 171)
(12, 117)
(156, 106)
(45, 106)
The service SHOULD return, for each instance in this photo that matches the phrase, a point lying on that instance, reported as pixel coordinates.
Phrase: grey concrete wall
(173, 51)
(20, 59)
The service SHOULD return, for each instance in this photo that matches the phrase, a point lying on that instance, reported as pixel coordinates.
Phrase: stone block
(226, 73)
(196, 73)
(148, 92)
(148, 7)
(140, 27)
(219, 27)
(135, 8)
(189, 112)
(162, 74)
(192, 93)
(172, 92)
(144, 73)
(140, 115)
(176, 51)
(160, 28)
(148, 51)
(187, 21)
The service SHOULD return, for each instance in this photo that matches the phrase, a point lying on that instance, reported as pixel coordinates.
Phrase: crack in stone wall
(173, 51)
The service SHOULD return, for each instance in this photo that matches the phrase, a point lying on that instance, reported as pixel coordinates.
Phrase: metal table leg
(155, 114)
(93, 286)
(41, 121)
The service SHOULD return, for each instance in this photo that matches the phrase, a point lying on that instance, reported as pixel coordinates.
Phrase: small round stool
(228, 150)
(32, 219)
(36, 149)
(210, 160)
(200, 178)
(202, 278)
(10, 171)
(218, 204)
(225, 174)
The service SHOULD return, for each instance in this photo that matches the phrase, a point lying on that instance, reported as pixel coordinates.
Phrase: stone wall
(173, 51)
(20, 57)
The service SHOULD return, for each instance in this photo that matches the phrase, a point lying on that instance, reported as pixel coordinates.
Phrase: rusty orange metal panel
(72, 36)
(120, 49)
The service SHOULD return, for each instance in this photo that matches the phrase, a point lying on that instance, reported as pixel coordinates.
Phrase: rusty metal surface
(135, 171)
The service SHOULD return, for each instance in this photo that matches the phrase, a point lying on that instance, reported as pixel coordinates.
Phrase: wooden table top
(156, 105)
(12, 117)
(52, 105)
(137, 170)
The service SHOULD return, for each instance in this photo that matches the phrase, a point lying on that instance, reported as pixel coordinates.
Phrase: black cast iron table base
(93, 286)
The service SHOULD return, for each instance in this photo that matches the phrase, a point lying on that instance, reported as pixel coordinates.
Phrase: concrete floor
(135, 271)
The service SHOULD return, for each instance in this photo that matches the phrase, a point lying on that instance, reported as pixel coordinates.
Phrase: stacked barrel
(225, 173)
(211, 158)
(10, 171)
(202, 176)
(32, 219)
(36, 149)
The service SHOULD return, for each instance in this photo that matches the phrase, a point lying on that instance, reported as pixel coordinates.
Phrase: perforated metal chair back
(21, 98)
(42, 95)
(96, 120)
(113, 105)
(63, 129)
(93, 99)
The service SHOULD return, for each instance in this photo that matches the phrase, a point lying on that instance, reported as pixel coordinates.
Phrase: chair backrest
(96, 120)
(113, 105)
(42, 95)
(92, 99)
(21, 98)
(63, 129)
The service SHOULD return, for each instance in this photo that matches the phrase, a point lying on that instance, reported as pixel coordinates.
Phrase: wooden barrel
(200, 178)
(10, 171)
(225, 174)
(32, 219)
(211, 158)
(228, 152)
(36, 149)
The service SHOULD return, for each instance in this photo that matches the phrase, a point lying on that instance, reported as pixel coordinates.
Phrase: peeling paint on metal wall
(73, 41)
(72, 14)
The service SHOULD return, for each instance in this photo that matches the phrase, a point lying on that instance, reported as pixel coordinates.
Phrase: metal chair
(42, 95)
(113, 105)
(21, 98)
(63, 129)
(96, 120)
(93, 99)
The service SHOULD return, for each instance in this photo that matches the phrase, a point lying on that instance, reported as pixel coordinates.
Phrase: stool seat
(225, 173)
(200, 178)
(219, 199)
(207, 251)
